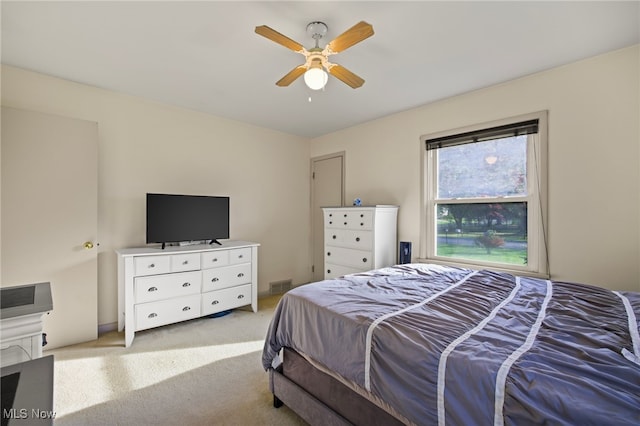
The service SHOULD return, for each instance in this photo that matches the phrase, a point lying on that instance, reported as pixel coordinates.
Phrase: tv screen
(179, 218)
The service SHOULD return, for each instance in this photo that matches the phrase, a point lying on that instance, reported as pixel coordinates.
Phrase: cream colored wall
(150, 147)
(594, 161)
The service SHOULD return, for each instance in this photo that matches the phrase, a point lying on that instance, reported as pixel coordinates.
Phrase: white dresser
(359, 239)
(163, 286)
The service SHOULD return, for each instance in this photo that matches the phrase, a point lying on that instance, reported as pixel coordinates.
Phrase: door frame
(342, 155)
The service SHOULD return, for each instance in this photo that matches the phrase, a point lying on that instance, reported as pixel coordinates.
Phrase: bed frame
(320, 399)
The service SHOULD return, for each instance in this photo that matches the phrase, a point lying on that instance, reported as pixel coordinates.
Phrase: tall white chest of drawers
(359, 239)
(162, 286)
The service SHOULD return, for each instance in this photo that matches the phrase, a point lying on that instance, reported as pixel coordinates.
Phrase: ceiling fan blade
(346, 76)
(281, 39)
(292, 76)
(353, 35)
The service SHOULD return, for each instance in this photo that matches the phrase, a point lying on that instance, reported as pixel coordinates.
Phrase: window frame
(537, 192)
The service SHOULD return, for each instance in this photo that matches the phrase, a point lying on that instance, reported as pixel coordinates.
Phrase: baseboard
(107, 328)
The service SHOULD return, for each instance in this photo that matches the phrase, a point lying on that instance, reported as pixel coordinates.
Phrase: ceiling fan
(317, 58)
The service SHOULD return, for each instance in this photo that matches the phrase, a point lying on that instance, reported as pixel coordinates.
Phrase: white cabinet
(21, 321)
(162, 286)
(359, 239)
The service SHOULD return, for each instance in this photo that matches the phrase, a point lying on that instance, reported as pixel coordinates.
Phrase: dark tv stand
(215, 241)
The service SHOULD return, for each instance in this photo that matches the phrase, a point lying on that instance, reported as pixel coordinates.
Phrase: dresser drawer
(151, 265)
(348, 257)
(241, 255)
(185, 262)
(361, 240)
(333, 271)
(349, 219)
(217, 278)
(214, 259)
(164, 312)
(228, 298)
(158, 287)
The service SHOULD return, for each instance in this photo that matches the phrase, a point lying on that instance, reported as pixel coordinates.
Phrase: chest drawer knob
(215, 302)
(334, 237)
(186, 285)
(241, 296)
(152, 315)
(357, 239)
(361, 224)
(153, 289)
(328, 271)
(345, 215)
(328, 253)
(186, 308)
(240, 275)
(240, 256)
(361, 215)
(215, 259)
(364, 259)
(345, 224)
(152, 265)
(215, 279)
(186, 262)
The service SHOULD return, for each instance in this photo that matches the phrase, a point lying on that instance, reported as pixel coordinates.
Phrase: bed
(429, 344)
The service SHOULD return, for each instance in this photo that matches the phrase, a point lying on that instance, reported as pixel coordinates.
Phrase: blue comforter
(443, 345)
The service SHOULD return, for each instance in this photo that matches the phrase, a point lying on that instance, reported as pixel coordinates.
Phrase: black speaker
(405, 252)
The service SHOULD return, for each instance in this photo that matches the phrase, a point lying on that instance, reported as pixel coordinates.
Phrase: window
(484, 196)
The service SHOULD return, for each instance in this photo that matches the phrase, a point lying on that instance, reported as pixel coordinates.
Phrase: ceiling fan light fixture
(316, 68)
(316, 78)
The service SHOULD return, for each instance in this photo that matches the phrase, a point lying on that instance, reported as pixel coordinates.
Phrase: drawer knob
(186, 284)
(334, 237)
(328, 253)
(345, 224)
(240, 275)
(330, 214)
(328, 271)
(152, 315)
(215, 259)
(240, 256)
(361, 224)
(345, 215)
(152, 265)
(358, 239)
(215, 302)
(186, 308)
(241, 296)
(364, 259)
(330, 223)
(153, 289)
(215, 279)
(361, 215)
(186, 262)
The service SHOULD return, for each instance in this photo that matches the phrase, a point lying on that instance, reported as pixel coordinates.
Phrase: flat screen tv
(175, 218)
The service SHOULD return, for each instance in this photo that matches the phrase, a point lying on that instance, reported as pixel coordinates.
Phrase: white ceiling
(205, 56)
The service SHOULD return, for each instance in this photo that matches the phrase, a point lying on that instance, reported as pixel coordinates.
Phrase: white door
(327, 190)
(49, 211)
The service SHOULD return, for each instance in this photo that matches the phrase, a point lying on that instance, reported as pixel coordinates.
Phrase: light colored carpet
(201, 372)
